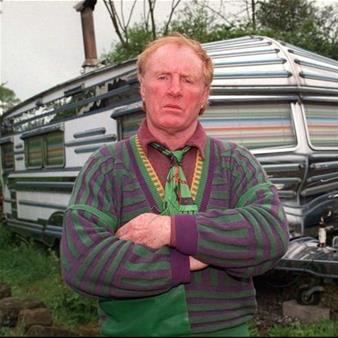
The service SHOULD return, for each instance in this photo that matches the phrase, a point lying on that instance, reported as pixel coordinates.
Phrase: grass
(34, 270)
(321, 329)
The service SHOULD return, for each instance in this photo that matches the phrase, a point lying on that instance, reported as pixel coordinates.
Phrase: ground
(273, 290)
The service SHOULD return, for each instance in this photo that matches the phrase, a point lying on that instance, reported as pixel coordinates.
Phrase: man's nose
(175, 87)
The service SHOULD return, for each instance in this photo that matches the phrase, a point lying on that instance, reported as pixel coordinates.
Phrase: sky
(41, 41)
(42, 44)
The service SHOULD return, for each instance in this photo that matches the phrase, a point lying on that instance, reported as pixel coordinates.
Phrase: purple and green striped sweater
(240, 231)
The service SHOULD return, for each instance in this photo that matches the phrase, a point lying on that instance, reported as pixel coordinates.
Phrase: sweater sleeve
(93, 260)
(250, 234)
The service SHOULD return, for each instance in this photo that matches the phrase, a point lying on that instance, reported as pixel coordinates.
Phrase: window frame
(43, 134)
(307, 127)
(5, 142)
(251, 106)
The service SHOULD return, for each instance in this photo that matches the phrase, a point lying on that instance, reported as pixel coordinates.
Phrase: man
(168, 228)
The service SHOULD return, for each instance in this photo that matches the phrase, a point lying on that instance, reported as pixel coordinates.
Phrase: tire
(308, 299)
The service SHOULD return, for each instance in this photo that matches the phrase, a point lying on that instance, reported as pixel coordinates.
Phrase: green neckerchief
(177, 196)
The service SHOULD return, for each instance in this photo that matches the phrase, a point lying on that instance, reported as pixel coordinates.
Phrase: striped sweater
(240, 231)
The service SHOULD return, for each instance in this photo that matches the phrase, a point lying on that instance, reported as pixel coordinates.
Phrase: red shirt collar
(197, 140)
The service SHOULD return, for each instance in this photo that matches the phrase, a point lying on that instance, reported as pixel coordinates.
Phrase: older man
(168, 228)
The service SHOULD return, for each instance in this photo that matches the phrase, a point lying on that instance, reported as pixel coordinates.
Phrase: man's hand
(195, 264)
(147, 229)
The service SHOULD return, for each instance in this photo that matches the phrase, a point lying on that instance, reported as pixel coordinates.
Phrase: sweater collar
(197, 140)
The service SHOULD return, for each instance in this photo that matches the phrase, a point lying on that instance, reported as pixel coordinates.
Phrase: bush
(33, 269)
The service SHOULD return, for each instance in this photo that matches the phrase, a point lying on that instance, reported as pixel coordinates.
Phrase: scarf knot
(177, 196)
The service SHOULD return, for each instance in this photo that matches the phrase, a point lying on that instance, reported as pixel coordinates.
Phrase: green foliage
(8, 98)
(17, 268)
(324, 328)
(301, 23)
(197, 22)
(327, 23)
(6, 239)
(298, 22)
(321, 329)
(33, 269)
(286, 15)
(193, 20)
(253, 329)
(5, 332)
(138, 38)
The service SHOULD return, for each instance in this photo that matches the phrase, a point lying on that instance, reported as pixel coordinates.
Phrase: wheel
(305, 297)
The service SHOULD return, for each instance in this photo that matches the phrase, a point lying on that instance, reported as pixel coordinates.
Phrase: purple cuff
(180, 267)
(186, 234)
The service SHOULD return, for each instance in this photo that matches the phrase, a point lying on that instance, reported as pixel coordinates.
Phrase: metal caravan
(278, 100)
(46, 139)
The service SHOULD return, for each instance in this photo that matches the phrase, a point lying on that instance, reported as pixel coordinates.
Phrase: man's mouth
(172, 106)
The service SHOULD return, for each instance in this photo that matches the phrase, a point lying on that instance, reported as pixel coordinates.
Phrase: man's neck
(173, 140)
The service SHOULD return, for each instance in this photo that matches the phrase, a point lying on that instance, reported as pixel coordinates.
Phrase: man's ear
(141, 88)
(206, 96)
(205, 100)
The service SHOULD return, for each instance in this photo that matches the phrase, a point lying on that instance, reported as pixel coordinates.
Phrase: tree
(301, 23)
(196, 19)
(8, 98)
(297, 22)
(327, 21)
(138, 37)
(286, 15)
(133, 37)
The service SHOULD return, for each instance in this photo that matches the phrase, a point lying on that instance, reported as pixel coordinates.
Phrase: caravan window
(45, 150)
(322, 124)
(7, 156)
(252, 125)
(54, 149)
(34, 152)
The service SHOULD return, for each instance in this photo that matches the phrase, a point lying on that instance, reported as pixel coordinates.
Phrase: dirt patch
(274, 289)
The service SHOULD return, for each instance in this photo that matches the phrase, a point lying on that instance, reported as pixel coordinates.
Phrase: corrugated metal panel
(260, 63)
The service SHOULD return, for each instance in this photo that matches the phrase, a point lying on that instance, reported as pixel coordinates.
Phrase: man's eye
(188, 80)
(162, 77)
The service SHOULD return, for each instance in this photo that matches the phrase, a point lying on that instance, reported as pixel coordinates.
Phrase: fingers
(137, 228)
(148, 229)
(195, 264)
(137, 222)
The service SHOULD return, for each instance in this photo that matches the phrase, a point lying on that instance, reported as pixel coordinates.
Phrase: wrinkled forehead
(174, 58)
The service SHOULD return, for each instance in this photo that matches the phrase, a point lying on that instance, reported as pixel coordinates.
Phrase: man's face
(173, 88)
